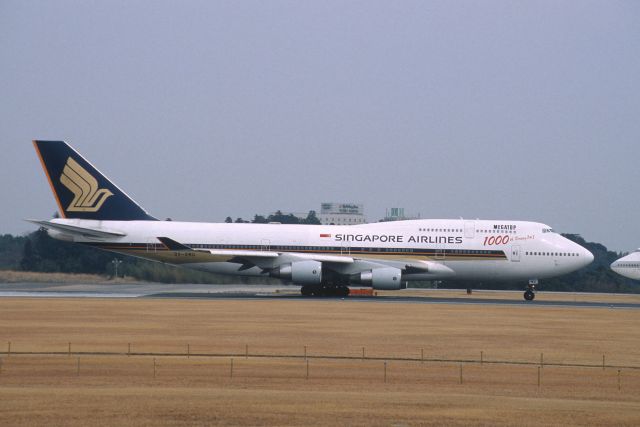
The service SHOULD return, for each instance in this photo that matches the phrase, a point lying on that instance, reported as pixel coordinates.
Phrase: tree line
(279, 217)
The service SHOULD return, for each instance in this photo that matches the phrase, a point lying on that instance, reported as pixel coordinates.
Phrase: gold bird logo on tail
(87, 196)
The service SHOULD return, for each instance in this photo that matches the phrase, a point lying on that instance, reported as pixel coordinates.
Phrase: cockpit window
(548, 230)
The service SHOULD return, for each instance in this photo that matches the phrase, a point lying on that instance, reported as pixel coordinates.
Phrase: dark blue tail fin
(81, 190)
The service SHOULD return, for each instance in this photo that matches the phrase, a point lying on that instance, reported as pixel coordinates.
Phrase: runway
(283, 292)
(408, 300)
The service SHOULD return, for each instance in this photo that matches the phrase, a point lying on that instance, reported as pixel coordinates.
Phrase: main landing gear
(529, 293)
(324, 291)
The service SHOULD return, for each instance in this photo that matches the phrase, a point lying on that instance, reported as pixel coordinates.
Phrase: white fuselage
(628, 266)
(465, 249)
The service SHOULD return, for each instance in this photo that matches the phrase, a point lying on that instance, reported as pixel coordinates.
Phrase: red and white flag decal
(325, 235)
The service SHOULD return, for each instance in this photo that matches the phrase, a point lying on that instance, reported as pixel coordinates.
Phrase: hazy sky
(199, 110)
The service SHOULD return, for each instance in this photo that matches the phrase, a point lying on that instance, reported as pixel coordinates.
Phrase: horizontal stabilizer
(77, 230)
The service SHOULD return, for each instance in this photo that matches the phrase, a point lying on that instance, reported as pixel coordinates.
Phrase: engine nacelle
(386, 278)
(300, 272)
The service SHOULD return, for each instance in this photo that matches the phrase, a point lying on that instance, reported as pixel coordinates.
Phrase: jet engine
(300, 272)
(385, 278)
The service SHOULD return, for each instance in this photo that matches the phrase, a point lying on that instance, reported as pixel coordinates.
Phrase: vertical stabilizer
(81, 191)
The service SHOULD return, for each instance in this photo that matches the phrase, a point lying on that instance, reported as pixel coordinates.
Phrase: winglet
(172, 245)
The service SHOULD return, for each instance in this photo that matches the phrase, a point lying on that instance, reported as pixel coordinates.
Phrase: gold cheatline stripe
(383, 254)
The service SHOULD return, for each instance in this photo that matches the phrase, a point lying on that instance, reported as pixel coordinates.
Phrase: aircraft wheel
(324, 291)
(321, 291)
(343, 291)
(529, 295)
(333, 291)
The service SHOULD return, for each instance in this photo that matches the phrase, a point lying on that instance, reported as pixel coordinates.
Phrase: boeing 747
(628, 266)
(322, 259)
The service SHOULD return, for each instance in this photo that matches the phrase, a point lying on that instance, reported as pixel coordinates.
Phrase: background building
(341, 213)
(397, 214)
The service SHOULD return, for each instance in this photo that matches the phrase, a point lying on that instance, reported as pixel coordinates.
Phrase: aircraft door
(440, 254)
(152, 245)
(345, 248)
(469, 229)
(265, 245)
(515, 253)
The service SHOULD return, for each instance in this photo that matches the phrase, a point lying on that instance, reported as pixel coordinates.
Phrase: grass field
(12, 276)
(272, 386)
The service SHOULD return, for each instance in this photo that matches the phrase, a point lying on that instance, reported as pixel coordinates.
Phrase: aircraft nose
(587, 256)
(614, 266)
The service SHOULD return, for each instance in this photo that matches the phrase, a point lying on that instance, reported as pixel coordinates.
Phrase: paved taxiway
(196, 291)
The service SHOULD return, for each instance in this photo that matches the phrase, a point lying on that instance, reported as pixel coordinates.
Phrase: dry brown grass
(121, 390)
(11, 276)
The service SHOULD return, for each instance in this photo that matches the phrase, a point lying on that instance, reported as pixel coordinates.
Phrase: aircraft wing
(248, 258)
(269, 260)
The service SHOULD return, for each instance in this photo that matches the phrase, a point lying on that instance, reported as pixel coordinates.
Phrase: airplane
(628, 266)
(323, 259)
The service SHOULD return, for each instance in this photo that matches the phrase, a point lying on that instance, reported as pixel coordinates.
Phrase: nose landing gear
(529, 293)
